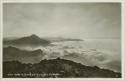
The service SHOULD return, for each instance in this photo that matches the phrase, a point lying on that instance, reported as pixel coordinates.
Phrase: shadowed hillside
(12, 53)
(55, 68)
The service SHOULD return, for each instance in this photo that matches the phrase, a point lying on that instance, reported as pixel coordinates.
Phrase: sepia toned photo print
(62, 40)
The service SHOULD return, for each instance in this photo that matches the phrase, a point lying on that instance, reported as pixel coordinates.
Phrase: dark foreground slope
(55, 68)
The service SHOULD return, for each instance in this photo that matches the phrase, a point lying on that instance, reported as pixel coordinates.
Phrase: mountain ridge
(29, 40)
(63, 68)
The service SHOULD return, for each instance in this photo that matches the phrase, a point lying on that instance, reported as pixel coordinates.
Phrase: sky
(70, 20)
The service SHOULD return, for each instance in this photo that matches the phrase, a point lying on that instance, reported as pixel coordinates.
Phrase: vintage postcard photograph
(62, 40)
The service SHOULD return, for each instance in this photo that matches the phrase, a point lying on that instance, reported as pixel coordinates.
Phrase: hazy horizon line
(63, 37)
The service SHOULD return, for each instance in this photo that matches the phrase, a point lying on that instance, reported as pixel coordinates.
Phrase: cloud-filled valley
(86, 52)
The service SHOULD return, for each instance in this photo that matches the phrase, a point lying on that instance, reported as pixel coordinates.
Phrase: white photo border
(66, 1)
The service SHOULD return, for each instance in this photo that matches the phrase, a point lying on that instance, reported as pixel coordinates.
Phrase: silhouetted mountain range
(55, 68)
(29, 40)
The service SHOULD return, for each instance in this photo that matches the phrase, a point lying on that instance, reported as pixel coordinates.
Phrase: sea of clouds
(104, 53)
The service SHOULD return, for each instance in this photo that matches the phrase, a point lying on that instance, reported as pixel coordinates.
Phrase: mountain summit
(29, 40)
(34, 36)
